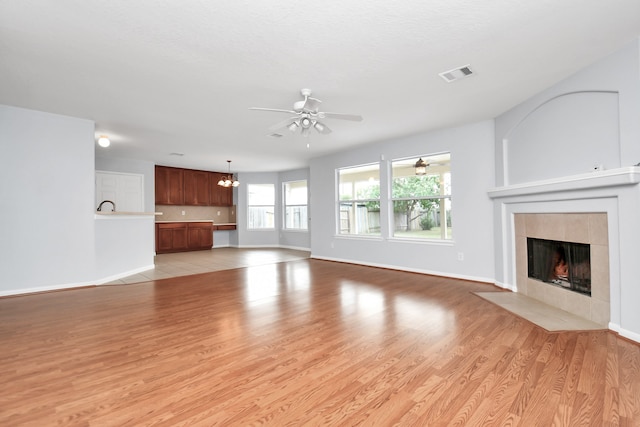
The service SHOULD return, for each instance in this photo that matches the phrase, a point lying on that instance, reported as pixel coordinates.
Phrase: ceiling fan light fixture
(421, 167)
(293, 126)
(305, 116)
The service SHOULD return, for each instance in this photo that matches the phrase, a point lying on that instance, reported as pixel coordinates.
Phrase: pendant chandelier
(229, 180)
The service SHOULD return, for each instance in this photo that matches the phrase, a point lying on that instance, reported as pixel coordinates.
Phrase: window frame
(444, 198)
(249, 206)
(285, 207)
(354, 200)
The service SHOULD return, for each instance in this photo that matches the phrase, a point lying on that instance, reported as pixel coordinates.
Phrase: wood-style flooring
(303, 343)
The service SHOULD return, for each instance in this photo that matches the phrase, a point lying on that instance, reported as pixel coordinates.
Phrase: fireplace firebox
(564, 264)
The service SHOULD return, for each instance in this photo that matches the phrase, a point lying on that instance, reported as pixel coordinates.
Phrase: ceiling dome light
(103, 141)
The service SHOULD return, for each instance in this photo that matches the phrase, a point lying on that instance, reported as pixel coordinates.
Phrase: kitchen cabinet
(169, 186)
(183, 236)
(200, 235)
(171, 237)
(220, 196)
(196, 187)
(190, 187)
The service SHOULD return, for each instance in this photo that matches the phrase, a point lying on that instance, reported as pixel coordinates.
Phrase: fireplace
(576, 241)
(559, 263)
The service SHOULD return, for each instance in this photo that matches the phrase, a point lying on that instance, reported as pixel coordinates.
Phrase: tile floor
(545, 316)
(186, 263)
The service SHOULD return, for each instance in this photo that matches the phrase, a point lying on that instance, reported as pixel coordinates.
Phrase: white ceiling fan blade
(322, 128)
(352, 117)
(283, 124)
(277, 110)
(311, 105)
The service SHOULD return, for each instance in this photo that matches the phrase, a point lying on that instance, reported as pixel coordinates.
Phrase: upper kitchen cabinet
(169, 186)
(220, 196)
(190, 187)
(196, 188)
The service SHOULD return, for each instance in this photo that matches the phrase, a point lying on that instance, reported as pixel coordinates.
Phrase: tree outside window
(422, 203)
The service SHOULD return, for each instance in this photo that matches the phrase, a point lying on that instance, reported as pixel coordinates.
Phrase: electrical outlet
(183, 212)
(460, 256)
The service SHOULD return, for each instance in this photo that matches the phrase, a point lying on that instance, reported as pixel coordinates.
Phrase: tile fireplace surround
(589, 228)
(576, 208)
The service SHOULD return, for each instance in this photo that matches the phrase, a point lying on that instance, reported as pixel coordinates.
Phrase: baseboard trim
(296, 248)
(43, 289)
(410, 270)
(124, 274)
(98, 282)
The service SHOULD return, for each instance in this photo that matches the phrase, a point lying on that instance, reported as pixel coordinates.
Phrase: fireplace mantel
(597, 179)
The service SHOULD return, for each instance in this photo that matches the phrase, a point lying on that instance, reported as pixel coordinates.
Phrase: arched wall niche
(569, 134)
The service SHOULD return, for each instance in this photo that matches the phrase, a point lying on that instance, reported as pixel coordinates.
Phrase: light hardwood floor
(303, 342)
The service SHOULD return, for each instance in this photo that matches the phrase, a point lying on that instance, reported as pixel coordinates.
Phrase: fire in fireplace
(564, 264)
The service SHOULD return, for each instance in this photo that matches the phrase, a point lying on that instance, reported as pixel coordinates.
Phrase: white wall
(123, 246)
(472, 170)
(256, 238)
(50, 239)
(618, 74)
(46, 200)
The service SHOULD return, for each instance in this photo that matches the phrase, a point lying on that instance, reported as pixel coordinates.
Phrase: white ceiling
(164, 76)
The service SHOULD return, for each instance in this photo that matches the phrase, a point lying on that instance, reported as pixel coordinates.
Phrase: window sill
(422, 241)
(357, 237)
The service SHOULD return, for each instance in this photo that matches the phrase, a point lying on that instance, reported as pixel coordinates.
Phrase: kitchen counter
(128, 213)
(185, 220)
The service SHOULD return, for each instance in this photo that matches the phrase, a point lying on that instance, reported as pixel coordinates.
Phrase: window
(295, 205)
(422, 203)
(359, 200)
(261, 202)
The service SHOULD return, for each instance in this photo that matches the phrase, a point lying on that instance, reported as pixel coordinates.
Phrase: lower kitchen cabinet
(200, 235)
(183, 236)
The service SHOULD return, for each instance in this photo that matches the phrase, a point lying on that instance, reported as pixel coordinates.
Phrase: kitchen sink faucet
(107, 201)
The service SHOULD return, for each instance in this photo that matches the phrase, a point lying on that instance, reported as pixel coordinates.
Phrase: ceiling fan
(306, 115)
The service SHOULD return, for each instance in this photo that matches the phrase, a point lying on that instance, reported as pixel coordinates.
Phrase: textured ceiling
(168, 76)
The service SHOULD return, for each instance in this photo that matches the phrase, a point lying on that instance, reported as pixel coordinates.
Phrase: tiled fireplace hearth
(587, 228)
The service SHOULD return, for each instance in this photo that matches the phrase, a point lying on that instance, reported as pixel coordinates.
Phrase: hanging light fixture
(229, 180)
(421, 167)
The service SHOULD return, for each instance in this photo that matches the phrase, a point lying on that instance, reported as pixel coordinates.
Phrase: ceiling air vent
(456, 73)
